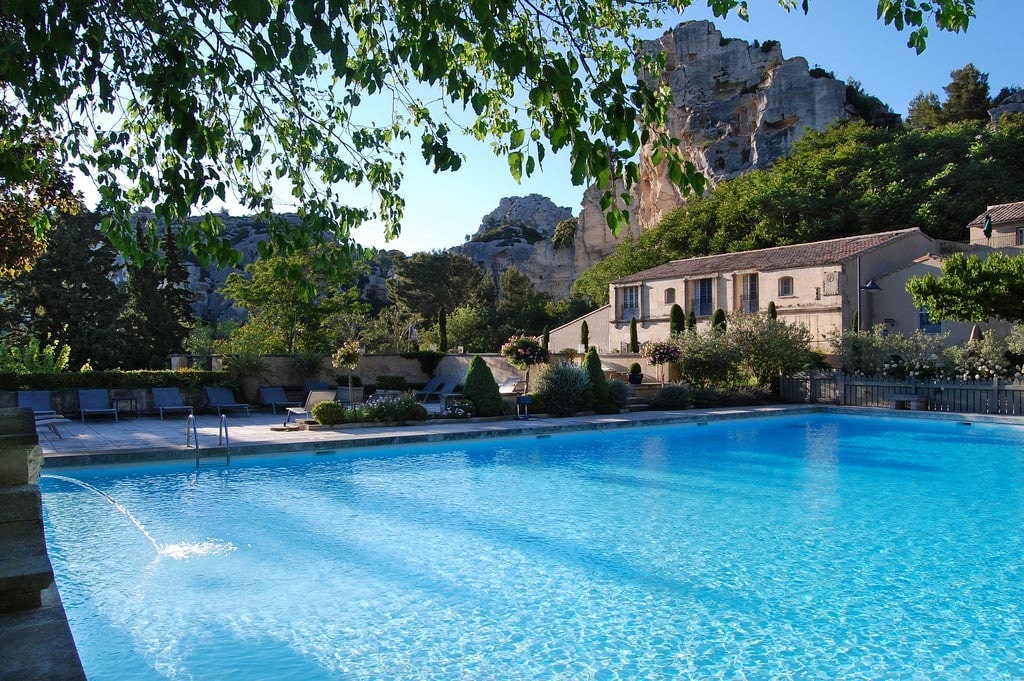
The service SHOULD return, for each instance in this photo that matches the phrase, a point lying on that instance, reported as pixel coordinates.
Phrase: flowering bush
(661, 352)
(347, 356)
(458, 409)
(523, 352)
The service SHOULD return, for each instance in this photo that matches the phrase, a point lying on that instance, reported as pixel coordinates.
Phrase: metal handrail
(224, 438)
(191, 433)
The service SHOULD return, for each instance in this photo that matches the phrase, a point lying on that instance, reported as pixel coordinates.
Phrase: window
(925, 323)
(630, 302)
(701, 304)
(748, 298)
(785, 286)
(670, 296)
(1020, 236)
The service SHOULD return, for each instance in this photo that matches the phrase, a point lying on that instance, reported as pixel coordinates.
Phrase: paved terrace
(148, 438)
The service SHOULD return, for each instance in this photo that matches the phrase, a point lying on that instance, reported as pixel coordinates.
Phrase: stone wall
(35, 639)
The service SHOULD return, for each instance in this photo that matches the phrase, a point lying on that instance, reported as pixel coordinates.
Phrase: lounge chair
(316, 385)
(430, 389)
(315, 397)
(36, 400)
(275, 397)
(169, 399)
(223, 400)
(450, 391)
(95, 401)
(510, 386)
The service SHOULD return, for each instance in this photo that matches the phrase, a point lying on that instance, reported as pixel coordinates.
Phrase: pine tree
(924, 111)
(967, 96)
(69, 297)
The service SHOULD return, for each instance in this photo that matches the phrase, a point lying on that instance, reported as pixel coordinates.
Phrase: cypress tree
(481, 389)
(584, 335)
(546, 338)
(718, 320)
(634, 342)
(602, 396)
(691, 321)
(676, 320)
(772, 312)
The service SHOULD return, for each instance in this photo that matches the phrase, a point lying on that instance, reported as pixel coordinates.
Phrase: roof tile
(829, 252)
(1004, 212)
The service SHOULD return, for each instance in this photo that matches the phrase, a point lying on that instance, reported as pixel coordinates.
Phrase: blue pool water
(799, 547)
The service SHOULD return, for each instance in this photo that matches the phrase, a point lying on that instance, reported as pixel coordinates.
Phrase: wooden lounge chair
(95, 401)
(315, 397)
(223, 400)
(275, 397)
(169, 399)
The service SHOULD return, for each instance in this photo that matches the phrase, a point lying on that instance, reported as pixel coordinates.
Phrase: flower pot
(636, 379)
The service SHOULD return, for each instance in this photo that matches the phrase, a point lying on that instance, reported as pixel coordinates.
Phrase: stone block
(21, 458)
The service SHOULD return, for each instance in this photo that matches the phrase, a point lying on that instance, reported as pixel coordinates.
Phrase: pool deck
(150, 439)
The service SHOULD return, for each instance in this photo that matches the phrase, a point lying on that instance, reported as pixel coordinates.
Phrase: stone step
(22, 580)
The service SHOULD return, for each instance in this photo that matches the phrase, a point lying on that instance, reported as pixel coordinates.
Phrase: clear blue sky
(842, 36)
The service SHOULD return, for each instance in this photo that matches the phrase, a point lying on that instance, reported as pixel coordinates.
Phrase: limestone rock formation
(738, 107)
(520, 232)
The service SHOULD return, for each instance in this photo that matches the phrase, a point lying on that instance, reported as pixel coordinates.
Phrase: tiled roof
(829, 252)
(1004, 212)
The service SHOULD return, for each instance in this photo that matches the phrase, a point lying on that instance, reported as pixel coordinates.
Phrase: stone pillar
(35, 640)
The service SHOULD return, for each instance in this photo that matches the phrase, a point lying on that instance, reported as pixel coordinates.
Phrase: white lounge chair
(315, 397)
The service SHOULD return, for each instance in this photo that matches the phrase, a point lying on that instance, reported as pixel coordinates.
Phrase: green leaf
(517, 137)
(515, 165)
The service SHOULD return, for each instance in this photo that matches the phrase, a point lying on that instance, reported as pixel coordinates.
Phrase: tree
(634, 339)
(303, 324)
(33, 188)
(584, 335)
(718, 320)
(676, 320)
(188, 102)
(521, 309)
(598, 383)
(481, 389)
(973, 289)
(433, 284)
(768, 348)
(924, 111)
(691, 321)
(967, 96)
(773, 312)
(69, 297)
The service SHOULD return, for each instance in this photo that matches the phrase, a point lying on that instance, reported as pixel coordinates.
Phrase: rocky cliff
(737, 107)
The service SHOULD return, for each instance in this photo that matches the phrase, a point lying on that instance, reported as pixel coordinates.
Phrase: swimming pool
(798, 547)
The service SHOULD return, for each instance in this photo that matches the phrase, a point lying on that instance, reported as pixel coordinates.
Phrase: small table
(131, 406)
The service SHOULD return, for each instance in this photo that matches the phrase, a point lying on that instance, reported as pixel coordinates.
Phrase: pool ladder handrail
(223, 437)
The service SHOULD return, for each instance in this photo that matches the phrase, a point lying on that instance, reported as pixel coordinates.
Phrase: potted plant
(659, 353)
(636, 374)
(247, 367)
(347, 357)
(523, 353)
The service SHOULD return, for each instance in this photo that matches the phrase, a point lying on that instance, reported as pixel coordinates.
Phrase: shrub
(115, 378)
(634, 342)
(708, 358)
(481, 389)
(34, 358)
(598, 383)
(343, 380)
(457, 409)
(395, 409)
(634, 368)
(560, 389)
(672, 396)
(618, 394)
(309, 362)
(768, 348)
(387, 382)
(329, 413)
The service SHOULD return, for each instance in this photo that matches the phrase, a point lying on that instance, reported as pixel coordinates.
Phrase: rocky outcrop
(737, 107)
(520, 232)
